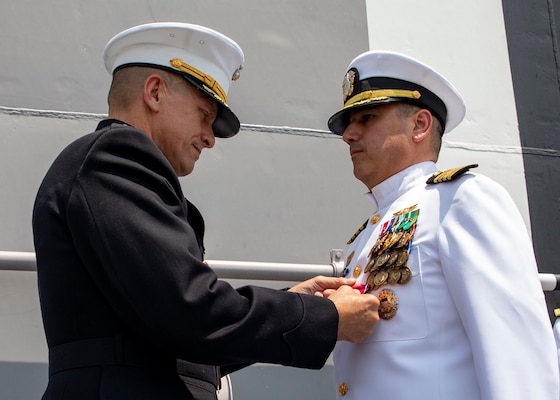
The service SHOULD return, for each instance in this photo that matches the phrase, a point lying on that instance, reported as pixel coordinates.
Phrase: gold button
(375, 219)
(342, 389)
(357, 270)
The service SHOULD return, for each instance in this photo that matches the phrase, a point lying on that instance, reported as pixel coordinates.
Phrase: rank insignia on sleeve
(449, 174)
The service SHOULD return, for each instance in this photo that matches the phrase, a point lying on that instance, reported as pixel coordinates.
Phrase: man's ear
(154, 87)
(423, 120)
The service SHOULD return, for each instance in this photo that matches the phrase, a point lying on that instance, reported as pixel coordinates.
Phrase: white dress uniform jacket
(472, 322)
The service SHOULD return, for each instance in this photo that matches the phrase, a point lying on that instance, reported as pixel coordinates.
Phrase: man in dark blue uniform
(124, 289)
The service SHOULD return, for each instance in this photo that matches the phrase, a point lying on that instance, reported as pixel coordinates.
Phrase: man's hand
(321, 285)
(357, 313)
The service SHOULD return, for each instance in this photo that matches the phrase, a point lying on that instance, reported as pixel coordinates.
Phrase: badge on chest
(387, 258)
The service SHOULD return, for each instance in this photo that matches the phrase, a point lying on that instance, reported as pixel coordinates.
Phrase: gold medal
(380, 277)
(387, 239)
(393, 256)
(406, 275)
(395, 238)
(382, 259)
(401, 258)
(403, 240)
(370, 266)
(376, 249)
(388, 304)
(394, 276)
(370, 281)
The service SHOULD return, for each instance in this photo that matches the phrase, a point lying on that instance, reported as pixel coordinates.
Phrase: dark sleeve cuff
(319, 328)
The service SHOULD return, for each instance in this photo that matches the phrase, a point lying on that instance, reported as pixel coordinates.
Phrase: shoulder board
(355, 235)
(449, 174)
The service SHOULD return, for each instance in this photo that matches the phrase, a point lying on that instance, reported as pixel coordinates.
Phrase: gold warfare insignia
(388, 304)
(390, 253)
(449, 175)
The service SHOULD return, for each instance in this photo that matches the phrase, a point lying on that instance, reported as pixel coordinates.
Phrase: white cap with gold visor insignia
(207, 59)
(380, 77)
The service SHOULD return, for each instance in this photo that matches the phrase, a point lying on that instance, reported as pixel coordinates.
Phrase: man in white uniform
(447, 253)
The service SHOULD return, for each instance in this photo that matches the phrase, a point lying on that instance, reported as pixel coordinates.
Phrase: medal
(402, 257)
(394, 276)
(406, 274)
(388, 304)
(389, 254)
(380, 277)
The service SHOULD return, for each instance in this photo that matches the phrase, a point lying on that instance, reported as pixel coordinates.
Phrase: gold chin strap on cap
(381, 94)
(210, 83)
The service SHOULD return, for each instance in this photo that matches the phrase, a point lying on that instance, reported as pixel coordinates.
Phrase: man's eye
(208, 116)
(367, 117)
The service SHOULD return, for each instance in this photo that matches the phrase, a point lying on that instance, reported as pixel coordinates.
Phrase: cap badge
(348, 84)
(237, 73)
(210, 83)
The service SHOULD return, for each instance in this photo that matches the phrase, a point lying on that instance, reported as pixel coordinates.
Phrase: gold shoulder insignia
(449, 174)
(360, 229)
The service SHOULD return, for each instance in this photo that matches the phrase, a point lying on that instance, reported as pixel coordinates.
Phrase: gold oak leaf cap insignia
(449, 174)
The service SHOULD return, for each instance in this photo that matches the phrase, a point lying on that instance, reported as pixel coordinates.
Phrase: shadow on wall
(27, 381)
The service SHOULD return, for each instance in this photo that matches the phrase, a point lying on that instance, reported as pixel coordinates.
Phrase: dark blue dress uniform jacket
(124, 291)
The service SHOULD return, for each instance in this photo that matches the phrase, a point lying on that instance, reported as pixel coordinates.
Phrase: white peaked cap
(208, 59)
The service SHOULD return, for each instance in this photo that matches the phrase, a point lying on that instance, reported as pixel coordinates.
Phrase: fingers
(358, 313)
(320, 284)
(332, 282)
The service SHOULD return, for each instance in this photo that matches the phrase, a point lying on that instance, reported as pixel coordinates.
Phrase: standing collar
(393, 187)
